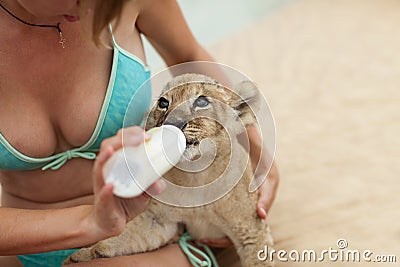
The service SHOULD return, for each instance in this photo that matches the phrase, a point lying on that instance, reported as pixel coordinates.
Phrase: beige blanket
(331, 73)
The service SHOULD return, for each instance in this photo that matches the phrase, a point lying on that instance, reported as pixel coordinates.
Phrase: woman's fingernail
(109, 187)
(162, 185)
(263, 212)
(147, 136)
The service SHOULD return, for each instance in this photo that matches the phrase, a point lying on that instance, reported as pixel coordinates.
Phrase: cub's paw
(91, 253)
(83, 254)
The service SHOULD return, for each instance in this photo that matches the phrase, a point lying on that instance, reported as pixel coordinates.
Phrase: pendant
(62, 40)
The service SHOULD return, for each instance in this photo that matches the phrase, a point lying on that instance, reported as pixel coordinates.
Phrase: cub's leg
(251, 239)
(248, 232)
(143, 233)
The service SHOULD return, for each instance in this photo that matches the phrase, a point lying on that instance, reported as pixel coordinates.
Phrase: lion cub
(202, 109)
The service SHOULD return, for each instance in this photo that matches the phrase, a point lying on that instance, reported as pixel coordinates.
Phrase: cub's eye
(163, 103)
(201, 102)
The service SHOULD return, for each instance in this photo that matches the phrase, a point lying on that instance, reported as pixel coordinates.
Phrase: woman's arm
(163, 24)
(31, 231)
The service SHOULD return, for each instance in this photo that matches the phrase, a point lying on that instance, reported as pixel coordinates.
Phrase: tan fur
(233, 215)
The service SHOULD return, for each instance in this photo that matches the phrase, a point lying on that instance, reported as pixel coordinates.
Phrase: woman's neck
(15, 8)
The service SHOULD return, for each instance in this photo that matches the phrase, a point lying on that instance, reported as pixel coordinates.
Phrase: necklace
(61, 41)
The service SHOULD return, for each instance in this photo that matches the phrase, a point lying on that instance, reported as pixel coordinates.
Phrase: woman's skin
(50, 99)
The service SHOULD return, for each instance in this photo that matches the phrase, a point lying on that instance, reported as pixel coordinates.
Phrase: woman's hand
(110, 213)
(269, 177)
(267, 192)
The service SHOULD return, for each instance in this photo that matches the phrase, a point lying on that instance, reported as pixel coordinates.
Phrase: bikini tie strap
(62, 158)
(208, 258)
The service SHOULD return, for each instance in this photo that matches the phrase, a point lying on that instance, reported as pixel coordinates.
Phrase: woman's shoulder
(143, 8)
(149, 12)
(150, 7)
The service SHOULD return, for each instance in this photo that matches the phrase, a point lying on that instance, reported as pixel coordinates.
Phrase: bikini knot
(69, 154)
(60, 159)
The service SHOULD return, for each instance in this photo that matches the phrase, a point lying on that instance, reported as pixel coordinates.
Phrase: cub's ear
(246, 101)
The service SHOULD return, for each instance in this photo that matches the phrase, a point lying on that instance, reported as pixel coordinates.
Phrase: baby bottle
(133, 169)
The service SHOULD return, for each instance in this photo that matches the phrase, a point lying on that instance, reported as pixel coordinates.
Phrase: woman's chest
(50, 100)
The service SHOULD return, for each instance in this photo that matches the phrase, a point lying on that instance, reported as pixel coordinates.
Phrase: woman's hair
(105, 12)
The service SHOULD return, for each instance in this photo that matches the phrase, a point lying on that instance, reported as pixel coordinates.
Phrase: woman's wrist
(86, 230)
(90, 228)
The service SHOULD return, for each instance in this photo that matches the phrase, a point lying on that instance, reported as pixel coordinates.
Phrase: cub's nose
(180, 123)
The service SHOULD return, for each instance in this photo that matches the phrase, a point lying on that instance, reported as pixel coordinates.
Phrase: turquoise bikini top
(128, 74)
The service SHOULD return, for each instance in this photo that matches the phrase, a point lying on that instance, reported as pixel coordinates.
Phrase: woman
(62, 97)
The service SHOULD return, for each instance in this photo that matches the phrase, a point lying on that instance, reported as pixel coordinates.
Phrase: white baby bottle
(133, 169)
